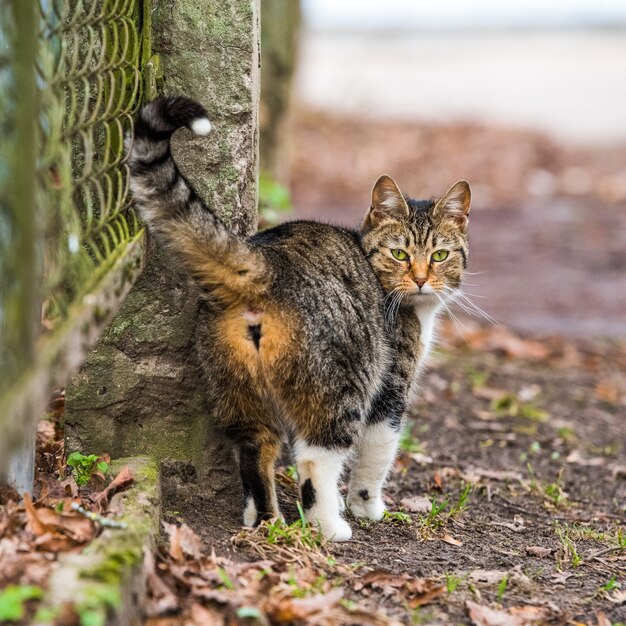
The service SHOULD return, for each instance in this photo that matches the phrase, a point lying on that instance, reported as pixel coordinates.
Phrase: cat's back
(320, 266)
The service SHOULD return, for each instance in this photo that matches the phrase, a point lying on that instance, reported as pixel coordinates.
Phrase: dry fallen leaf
(576, 457)
(538, 551)
(183, 542)
(160, 598)
(122, 481)
(476, 474)
(488, 576)
(56, 532)
(287, 610)
(203, 616)
(517, 616)
(451, 540)
(416, 504)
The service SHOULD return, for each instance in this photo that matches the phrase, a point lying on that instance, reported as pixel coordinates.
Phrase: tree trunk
(140, 391)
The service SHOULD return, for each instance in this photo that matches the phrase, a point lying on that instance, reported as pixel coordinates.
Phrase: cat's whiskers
(396, 296)
(455, 320)
(471, 308)
(395, 305)
(388, 304)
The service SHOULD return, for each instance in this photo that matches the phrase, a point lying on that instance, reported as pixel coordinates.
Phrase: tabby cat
(308, 329)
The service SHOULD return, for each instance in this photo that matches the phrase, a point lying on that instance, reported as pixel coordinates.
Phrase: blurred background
(526, 100)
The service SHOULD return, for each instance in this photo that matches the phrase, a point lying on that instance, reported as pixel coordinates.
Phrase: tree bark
(139, 391)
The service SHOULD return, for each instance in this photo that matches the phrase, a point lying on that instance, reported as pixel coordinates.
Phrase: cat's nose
(420, 282)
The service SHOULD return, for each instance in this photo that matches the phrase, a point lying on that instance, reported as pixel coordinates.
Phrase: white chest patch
(427, 316)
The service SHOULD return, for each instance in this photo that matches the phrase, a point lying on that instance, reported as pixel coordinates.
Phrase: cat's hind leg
(319, 470)
(257, 459)
(375, 453)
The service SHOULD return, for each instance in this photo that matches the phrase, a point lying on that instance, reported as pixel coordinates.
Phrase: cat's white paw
(373, 508)
(249, 513)
(336, 530)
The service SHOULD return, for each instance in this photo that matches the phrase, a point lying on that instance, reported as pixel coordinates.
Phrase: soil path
(537, 429)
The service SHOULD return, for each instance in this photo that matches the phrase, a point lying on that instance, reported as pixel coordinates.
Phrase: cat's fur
(308, 329)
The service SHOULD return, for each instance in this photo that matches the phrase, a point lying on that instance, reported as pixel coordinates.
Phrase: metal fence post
(19, 311)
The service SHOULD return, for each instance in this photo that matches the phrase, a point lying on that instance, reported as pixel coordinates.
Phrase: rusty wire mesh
(91, 86)
(71, 79)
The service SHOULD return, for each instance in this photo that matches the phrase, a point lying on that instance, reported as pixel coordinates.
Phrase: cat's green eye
(440, 255)
(401, 255)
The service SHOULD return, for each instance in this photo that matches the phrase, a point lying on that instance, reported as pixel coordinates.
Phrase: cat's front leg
(319, 470)
(376, 451)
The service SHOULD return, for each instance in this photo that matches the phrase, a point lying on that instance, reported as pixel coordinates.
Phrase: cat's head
(418, 247)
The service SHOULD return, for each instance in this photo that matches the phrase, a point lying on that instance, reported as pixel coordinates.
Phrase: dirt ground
(536, 427)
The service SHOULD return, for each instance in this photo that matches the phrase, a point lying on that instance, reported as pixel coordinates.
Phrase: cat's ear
(388, 203)
(455, 203)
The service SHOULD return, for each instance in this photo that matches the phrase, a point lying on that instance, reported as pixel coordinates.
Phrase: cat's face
(418, 248)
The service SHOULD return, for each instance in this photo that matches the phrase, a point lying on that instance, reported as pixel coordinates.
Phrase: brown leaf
(423, 591)
(160, 598)
(8, 493)
(538, 551)
(603, 620)
(576, 457)
(416, 504)
(30, 568)
(56, 531)
(517, 616)
(122, 481)
(451, 540)
(500, 339)
(476, 474)
(380, 579)
(203, 616)
(487, 576)
(489, 393)
(183, 542)
(287, 610)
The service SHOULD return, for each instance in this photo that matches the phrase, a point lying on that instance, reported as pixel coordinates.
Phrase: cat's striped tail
(215, 256)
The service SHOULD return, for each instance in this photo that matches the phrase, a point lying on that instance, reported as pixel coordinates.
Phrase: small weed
(442, 512)
(13, 599)
(477, 378)
(462, 504)
(397, 517)
(85, 466)
(298, 533)
(611, 585)
(410, 443)
(502, 588)
(567, 433)
(586, 533)
(421, 616)
(452, 582)
(228, 583)
(555, 493)
(349, 605)
(569, 547)
(274, 201)
(508, 405)
(318, 586)
(292, 472)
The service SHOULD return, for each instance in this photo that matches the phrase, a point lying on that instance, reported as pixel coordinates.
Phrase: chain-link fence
(72, 74)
